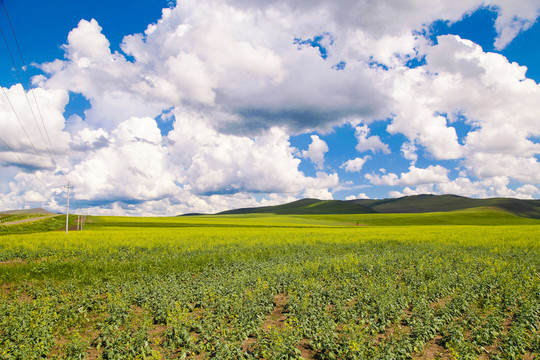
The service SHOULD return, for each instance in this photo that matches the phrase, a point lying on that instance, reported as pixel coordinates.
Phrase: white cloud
(513, 18)
(498, 106)
(321, 194)
(355, 165)
(359, 196)
(486, 165)
(34, 197)
(369, 143)
(134, 166)
(211, 162)
(408, 150)
(22, 126)
(238, 84)
(277, 199)
(388, 18)
(316, 151)
(431, 174)
(390, 179)
(415, 176)
(116, 88)
(491, 187)
(204, 48)
(418, 120)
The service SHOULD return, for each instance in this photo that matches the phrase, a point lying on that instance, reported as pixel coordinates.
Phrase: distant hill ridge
(407, 204)
(27, 211)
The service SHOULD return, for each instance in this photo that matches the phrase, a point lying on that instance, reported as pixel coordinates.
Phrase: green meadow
(453, 285)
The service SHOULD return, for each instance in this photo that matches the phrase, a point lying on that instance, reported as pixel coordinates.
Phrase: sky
(162, 107)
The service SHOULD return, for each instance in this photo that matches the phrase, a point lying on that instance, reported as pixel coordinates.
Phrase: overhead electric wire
(49, 146)
(24, 129)
(25, 95)
(22, 162)
(48, 143)
(21, 81)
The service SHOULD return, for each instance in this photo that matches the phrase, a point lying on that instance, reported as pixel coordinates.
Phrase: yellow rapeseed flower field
(462, 285)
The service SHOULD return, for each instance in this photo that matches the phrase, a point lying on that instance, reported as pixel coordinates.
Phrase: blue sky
(155, 107)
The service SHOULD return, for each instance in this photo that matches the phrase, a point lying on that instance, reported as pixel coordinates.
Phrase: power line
(22, 162)
(24, 129)
(49, 146)
(21, 81)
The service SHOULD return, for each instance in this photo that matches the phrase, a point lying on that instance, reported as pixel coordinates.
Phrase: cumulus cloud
(486, 165)
(237, 78)
(513, 18)
(116, 88)
(210, 162)
(316, 151)
(408, 150)
(23, 130)
(491, 187)
(359, 196)
(193, 56)
(133, 166)
(369, 143)
(320, 194)
(497, 106)
(388, 18)
(355, 165)
(415, 176)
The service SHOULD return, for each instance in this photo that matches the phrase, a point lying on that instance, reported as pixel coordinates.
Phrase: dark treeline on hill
(407, 204)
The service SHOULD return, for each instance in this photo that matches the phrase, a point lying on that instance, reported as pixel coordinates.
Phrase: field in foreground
(288, 287)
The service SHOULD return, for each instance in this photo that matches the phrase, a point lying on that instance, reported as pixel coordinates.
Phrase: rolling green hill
(308, 206)
(407, 204)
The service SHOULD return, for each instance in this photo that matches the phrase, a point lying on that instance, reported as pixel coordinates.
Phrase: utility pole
(84, 218)
(67, 207)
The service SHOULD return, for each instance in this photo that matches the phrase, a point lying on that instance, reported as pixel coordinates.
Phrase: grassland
(408, 204)
(462, 285)
(34, 223)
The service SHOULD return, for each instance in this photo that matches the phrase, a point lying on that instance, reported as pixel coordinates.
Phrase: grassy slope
(308, 206)
(43, 225)
(7, 218)
(476, 216)
(433, 203)
(248, 220)
(408, 204)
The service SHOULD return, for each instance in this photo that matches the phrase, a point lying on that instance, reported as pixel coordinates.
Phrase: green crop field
(456, 285)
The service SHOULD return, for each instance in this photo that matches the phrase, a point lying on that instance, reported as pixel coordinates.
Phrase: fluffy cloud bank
(234, 80)
(461, 85)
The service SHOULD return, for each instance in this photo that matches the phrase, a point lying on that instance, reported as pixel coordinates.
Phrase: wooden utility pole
(67, 206)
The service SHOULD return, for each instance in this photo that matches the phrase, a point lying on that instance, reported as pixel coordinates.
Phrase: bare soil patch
(305, 350)
(433, 350)
(277, 317)
(439, 304)
(13, 262)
